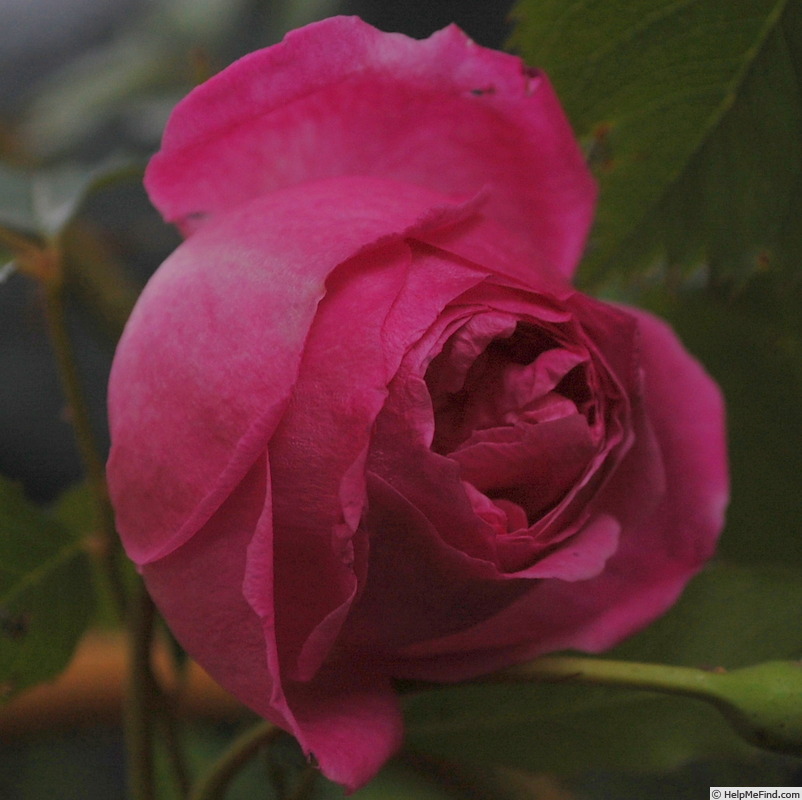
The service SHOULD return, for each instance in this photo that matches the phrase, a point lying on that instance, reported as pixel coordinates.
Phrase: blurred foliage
(89, 764)
(46, 590)
(730, 616)
(44, 202)
(40, 207)
(165, 45)
(132, 81)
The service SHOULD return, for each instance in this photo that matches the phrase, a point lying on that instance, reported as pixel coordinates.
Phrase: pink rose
(363, 427)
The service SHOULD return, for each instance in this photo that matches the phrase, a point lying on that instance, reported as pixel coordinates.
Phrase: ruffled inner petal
(667, 494)
(536, 470)
(512, 408)
(581, 557)
(517, 418)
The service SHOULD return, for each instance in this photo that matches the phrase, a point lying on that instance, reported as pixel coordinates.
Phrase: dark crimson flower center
(525, 377)
(513, 406)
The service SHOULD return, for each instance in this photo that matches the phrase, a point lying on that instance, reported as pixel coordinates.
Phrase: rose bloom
(363, 427)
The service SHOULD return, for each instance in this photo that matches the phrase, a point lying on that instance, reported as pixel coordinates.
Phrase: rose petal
(436, 589)
(350, 720)
(198, 385)
(450, 367)
(666, 536)
(341, 387)
(582, 556)
(536, 470)
(384, 294)
(400, 455)
(686, 409)
(209, 615)
(339, 97)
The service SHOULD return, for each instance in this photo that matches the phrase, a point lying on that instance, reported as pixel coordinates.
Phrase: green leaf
(46, 592)
(692, 117)
(73, 509)
(729, 616)
(76, 512)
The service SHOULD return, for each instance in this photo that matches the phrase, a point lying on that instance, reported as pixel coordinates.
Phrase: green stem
(106, 546)
(213, 785)
(139, 702)
(686, 681)
(763, 702)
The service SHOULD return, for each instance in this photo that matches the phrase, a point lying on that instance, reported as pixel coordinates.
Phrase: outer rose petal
(686, 410)
(348, 718)
(339, 97)
(209, 569)
(199, 385)
(682, 417)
